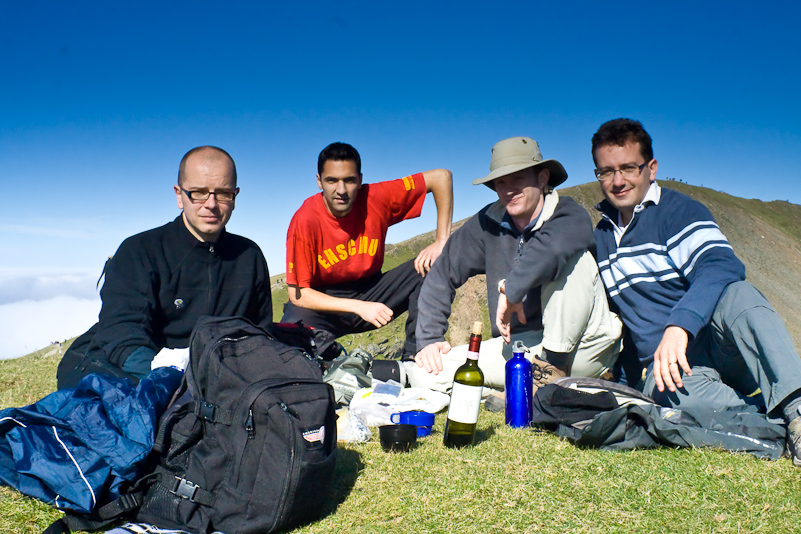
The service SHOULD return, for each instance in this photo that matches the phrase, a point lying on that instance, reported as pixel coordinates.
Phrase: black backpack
(250, 445)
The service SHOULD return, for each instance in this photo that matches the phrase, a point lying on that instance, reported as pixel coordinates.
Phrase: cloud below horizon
(30, 325)
(37, 286)
(38, 307)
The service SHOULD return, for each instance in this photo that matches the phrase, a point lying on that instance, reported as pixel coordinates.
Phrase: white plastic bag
(375, 409)
(350, 429)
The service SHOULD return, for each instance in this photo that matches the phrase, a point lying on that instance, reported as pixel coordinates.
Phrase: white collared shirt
(653, 194)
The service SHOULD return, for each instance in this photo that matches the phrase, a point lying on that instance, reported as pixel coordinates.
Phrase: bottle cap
(477, 327)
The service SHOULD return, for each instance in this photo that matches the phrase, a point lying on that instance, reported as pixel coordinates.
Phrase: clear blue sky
(99, 101)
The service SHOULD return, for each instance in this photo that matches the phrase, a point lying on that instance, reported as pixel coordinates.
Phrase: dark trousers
(397, 288)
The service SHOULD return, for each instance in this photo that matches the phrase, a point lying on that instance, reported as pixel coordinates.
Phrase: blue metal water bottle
(519, 388)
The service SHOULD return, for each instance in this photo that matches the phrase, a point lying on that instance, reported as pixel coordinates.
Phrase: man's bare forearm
(306, 297)
(439, 182)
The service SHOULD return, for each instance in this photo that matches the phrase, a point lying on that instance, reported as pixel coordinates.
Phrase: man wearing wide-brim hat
(543, 286)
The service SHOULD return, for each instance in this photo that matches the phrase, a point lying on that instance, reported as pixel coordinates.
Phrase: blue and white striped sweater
(670, 268)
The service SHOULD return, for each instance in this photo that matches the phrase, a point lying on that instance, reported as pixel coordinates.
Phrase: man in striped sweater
(703, 336)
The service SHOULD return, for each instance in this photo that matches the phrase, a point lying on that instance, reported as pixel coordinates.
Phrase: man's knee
(575, 288)
(571, 306)
(739, 297)
(704, 390)
(75, 365)
(292, 313)
(407, 275)
(596, 363)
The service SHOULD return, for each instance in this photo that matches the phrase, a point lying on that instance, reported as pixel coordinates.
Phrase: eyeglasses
(627, 171)
(203, 196)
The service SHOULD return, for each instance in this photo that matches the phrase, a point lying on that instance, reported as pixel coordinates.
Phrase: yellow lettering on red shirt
(342, 252)
(363, 240)
(330, 256)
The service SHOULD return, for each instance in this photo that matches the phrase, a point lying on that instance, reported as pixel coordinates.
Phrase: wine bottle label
(465, 401)
(473, 355)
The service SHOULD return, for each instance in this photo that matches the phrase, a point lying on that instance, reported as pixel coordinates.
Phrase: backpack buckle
(129, 501)
(184, 489)
(207, 410)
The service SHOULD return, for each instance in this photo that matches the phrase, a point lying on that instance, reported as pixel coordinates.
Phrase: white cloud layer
(31, 325)
(17, 286)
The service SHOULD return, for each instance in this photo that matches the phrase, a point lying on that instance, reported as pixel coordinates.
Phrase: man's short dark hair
(339, 152)
(619, 132)
(182, 166)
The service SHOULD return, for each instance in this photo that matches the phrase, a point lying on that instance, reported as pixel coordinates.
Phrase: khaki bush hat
(518, 153)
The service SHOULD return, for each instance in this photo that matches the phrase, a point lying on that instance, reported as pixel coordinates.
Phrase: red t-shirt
(322, 249)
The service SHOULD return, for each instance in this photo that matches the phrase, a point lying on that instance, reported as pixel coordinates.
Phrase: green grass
(511, 481)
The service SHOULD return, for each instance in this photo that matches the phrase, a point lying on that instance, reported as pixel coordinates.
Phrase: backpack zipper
(249, 425)
(292, 468)
(287, 409)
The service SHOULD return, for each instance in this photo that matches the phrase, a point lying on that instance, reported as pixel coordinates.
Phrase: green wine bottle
(460, 428)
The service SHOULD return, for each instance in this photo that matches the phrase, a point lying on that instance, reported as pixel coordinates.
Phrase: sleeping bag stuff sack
(250, 445)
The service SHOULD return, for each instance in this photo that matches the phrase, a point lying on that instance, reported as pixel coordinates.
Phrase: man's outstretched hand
(430, 358)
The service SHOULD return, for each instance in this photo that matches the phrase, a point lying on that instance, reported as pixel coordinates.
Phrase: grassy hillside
(511, 481)
(525, 481)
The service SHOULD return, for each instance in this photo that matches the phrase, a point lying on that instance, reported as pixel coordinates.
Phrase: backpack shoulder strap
(120, 508)
(100, 517)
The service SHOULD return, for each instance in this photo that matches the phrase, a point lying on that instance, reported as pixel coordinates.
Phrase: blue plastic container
(519, 388)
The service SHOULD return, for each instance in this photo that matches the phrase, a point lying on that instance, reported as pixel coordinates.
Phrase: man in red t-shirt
(335, 247)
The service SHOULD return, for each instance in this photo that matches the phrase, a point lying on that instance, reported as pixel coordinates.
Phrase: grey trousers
(743, 356)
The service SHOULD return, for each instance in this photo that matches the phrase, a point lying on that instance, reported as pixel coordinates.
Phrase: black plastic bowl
(397, 438)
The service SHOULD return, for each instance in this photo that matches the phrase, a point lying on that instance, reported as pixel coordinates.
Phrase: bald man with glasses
(161, 281)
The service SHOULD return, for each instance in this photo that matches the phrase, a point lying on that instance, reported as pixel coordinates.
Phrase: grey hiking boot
(794, 440)
(545, 373)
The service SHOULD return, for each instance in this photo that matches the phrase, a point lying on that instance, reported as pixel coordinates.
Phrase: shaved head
(207, 154)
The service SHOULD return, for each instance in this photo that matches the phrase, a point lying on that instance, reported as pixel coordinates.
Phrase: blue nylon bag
(80, 448)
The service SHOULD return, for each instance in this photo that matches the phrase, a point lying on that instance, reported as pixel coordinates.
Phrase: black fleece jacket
(161, 281)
